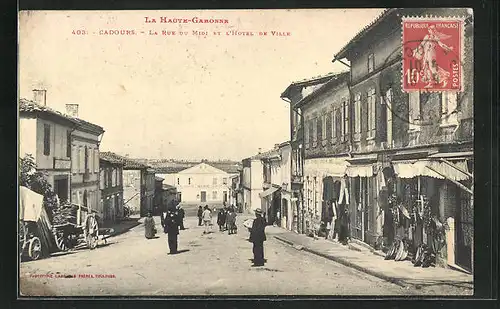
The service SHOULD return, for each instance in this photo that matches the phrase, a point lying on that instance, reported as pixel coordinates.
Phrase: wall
(247, 182)
(191, 193)
(86, 180)
(111, 186)
(286, 157)
(256, 177)
(169, 179)
(325, 104)
(132, 189)
(28, 137)
(58, 143)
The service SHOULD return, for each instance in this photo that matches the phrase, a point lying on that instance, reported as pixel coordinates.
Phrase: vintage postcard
(246, 152)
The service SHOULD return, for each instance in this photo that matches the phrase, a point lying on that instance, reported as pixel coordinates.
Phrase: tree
(37, 181)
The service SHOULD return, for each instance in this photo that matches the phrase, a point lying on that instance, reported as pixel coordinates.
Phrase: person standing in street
(257, 237)
(149, 226)
(181, 214)
(207, 219)
(221, 219)
(200, 214)
(232, 221)
(172, 230)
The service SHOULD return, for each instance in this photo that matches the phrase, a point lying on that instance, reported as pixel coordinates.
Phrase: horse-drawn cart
(39, 234)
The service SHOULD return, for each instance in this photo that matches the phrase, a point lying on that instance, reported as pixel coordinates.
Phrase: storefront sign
(62, 164)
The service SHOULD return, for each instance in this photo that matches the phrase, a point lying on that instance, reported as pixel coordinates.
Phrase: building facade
(271, 185)
(45, 134)
(203, 183)
(411, 152)
(251, 183)
(288, 213)
(85, 168)
(111, 186)
(326, 142)
(65, 147)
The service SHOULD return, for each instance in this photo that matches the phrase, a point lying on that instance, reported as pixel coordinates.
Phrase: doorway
(203, 195)
(61, 189)
(360, 208)
(464, 229)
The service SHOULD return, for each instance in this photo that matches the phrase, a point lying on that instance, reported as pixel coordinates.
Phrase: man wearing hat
(257, 237)
(171, 228)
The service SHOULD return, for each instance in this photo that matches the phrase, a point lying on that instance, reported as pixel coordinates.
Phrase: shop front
(429, 202)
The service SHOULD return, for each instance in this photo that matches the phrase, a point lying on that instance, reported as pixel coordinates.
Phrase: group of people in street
(226, 219)
(172, 220)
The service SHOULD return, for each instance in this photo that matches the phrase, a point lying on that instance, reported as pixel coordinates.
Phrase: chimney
(72, 110)
(40, 96)
(260, 150)
(276, 146)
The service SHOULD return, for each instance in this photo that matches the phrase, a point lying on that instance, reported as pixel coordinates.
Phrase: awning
(449, 155)
(411, 169)
(268, 192)
(452, 171)
(325, 167)
(360, 170)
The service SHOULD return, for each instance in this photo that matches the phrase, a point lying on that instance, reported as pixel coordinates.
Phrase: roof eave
(344, 50)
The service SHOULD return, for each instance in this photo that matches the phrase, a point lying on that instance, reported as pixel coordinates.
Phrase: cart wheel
(35, 248)
(61, 240)
(92, 232)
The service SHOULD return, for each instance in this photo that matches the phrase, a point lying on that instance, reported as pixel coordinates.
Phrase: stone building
(411, 152)
(111, 185)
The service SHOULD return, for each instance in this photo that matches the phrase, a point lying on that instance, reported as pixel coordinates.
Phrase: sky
(184, 96)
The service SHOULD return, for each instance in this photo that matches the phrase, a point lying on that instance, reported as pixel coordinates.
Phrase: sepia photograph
(255, 152)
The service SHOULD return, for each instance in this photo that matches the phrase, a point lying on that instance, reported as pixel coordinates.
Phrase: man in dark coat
(221, 219)
(172, 230)
(181, 213)
(257, 237)
(200, 214)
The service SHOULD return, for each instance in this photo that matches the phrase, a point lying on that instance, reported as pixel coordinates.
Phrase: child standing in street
(207, 219)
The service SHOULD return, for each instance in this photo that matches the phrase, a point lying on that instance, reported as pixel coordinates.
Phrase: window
(328, 125)
(189, 181)
(68, 144)
(74, 159)
(91, 160)
(113, 177)
(120, 179)
(449, 108)
(345, 130)
(224, 181)
(96, 160)
(102, 183)
(371, 62)
(414, 111)
(81, 160)
(178, 181)
(86, 168)
(334, 124)
(323, 127)
(215, 180)
(372, 103)
(357, 117)
(46, 139)
(214, 195)
(307, 132)
(388, 102)
(315, 131)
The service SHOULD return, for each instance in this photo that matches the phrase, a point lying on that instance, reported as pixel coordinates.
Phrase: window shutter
(86, 159)
(319, 124)
(46, 139)
(328, 125)
(68, 144)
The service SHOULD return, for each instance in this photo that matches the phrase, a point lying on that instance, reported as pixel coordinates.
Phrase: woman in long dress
(150, 228)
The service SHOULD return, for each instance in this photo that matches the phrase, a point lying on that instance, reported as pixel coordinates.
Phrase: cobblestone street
(215, 264)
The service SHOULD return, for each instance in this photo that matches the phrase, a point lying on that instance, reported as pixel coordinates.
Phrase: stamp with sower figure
(432, 54)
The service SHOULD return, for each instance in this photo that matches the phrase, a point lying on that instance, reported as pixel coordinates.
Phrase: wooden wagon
(38, 235)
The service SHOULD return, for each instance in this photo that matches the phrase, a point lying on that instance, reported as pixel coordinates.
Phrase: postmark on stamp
(432, 54)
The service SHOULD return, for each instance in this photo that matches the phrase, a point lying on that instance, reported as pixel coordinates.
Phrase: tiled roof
(127, 163)
(308, 82)
(266, 154)
(28, 106)
(169, 169)
(110, 157)
(334, 80)
(362, 32)
(174, 167)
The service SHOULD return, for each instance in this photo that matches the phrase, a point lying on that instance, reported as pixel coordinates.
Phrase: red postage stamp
(432, 54)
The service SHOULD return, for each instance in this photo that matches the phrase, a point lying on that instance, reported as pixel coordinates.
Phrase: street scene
(186, 153)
